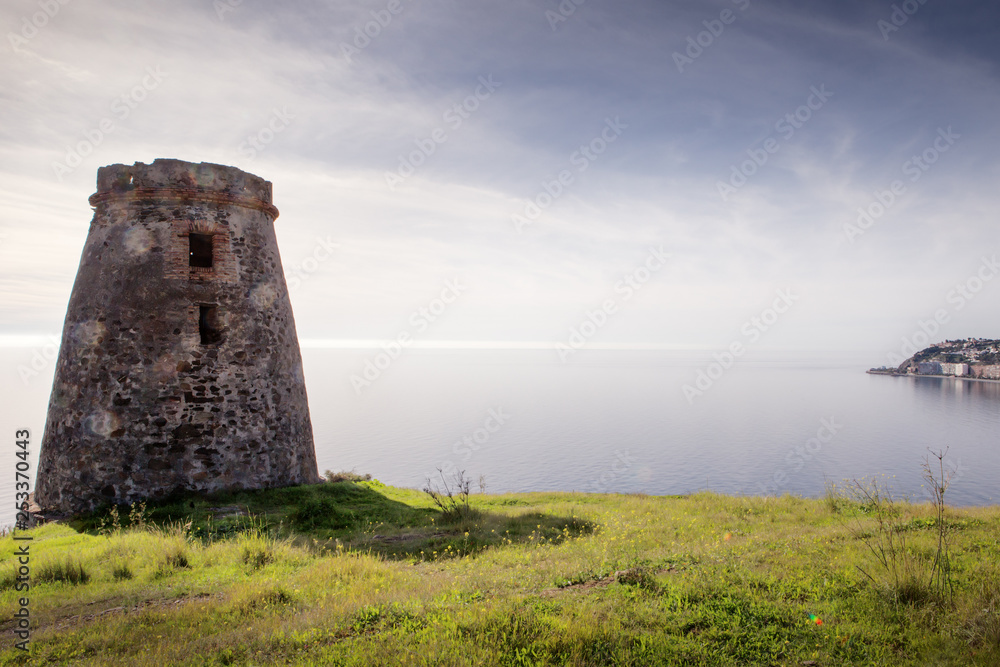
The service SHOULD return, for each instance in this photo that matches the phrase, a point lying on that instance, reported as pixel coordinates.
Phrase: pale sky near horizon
(643, 108)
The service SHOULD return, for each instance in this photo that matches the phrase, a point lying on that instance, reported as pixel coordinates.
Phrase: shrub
(453, 502)
(8, 576)
(884, 538)
(345, 476)
(256, 553)
(112, 523)
(257, 547)
(177, 557)
(121, 571)
(69, 570)
(940, 579)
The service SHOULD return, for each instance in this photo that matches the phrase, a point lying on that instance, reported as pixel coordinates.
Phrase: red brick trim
(184, 195)
(178, 266)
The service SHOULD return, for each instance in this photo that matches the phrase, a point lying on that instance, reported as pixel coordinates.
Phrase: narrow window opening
(200, 250)
(208, 325)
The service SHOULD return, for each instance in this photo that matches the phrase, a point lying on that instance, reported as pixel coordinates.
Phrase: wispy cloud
(354, 118)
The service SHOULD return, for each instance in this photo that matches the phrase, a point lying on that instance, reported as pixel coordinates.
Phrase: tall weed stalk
(939, 480)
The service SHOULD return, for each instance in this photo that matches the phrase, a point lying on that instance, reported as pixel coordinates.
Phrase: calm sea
(619, 421)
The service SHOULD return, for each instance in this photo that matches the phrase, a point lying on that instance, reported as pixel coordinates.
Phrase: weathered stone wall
(140, 405)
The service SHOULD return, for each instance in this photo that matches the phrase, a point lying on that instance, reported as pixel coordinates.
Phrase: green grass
(358, 573)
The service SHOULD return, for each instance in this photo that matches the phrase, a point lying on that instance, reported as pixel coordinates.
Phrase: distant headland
(971, 358)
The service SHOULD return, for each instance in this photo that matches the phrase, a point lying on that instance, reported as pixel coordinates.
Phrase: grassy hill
(358, 573)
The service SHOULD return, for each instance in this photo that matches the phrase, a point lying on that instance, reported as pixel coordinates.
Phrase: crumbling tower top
(168, 181)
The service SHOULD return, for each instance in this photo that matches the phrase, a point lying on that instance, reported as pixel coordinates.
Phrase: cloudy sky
(540, 154)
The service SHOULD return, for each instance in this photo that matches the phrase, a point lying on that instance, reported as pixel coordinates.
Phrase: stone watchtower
(179, 367)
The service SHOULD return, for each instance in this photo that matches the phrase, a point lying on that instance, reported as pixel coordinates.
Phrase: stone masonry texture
(174, 376)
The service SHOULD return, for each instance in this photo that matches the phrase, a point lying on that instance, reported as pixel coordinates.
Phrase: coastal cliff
(974, 358)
